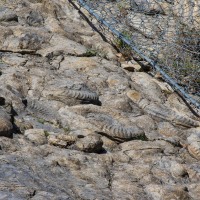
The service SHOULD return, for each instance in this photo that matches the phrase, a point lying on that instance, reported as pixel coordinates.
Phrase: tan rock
(177, 169)
(14, 61)
(63, 44)
(131, 66)
(146, 84)
(90, 144)
(37, 136)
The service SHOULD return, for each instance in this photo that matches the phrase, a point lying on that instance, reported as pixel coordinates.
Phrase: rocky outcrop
(75, 124)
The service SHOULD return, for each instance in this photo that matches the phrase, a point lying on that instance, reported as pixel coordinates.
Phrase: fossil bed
(82, 124)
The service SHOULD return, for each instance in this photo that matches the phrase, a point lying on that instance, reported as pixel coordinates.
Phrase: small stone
(22, 125)
(131, 66)
(177, 170)
(108, 144)
(89, 144)
(61, 140)
(37, 136)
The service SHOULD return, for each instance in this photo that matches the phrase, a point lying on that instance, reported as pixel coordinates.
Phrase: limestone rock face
(75, 125)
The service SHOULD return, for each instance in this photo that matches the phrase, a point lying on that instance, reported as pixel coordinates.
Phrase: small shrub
(46, 133)
(41, 121)
(123, 47)
(67, 129)
(90, 52)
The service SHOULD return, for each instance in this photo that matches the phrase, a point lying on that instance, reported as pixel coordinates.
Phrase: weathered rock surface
(74, 125)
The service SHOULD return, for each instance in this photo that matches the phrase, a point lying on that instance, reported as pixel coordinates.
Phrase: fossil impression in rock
(34, 19)
(161, 111)
(68, 95)
(40, 110)
(113, 128)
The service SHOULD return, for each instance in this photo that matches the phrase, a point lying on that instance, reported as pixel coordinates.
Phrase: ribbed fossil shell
(161, 111)
(77, 94)
(113, 128)
(34, 19)
(42, 111)
(168, 114)
(185, 121)
(73, 97)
